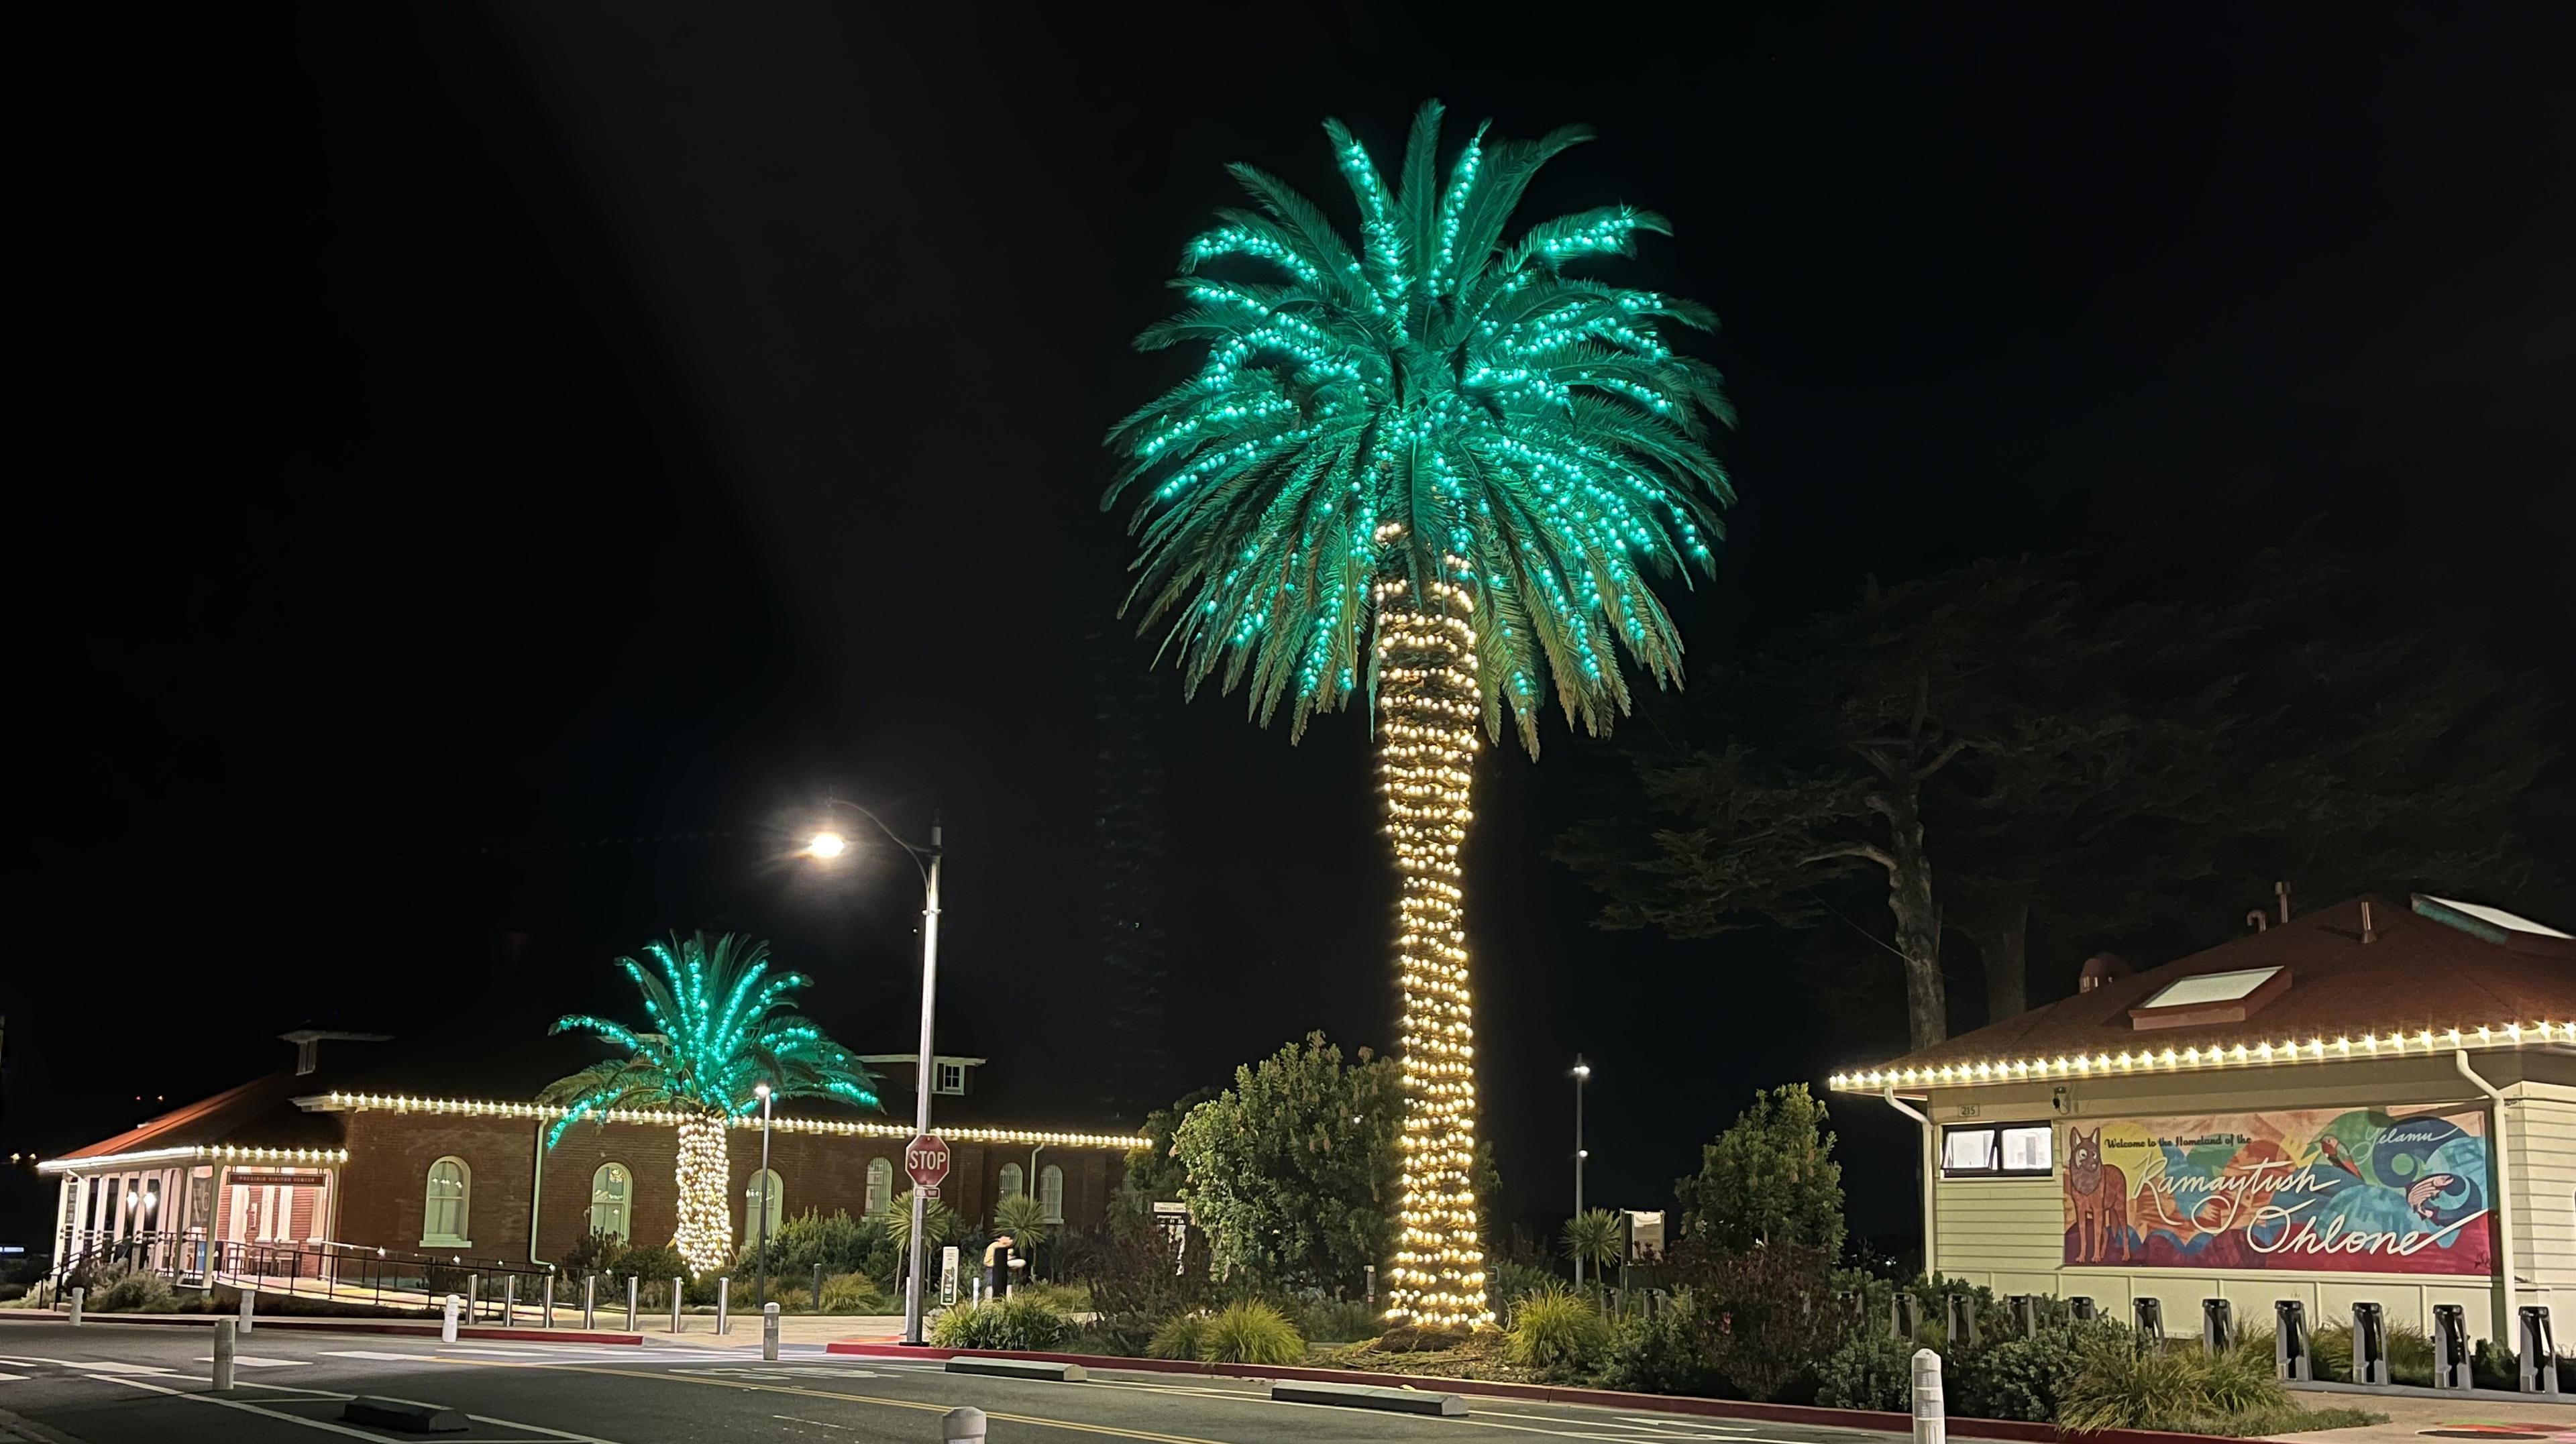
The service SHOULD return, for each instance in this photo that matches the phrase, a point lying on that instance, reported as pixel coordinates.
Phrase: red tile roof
(253, 1114)
(2417, 974)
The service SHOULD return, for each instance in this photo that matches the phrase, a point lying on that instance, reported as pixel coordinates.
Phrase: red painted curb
(327, 1325)
(1888, 1423)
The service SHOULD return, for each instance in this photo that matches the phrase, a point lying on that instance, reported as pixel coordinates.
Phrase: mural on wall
(2332, 1190)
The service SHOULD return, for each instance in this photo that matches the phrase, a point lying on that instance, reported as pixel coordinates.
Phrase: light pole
(1582, 1074)
(828, 845)
(763, 1090)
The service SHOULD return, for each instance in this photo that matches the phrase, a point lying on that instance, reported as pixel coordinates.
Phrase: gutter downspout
(536, 1191)
(2504, 1295)
(1931, 1169)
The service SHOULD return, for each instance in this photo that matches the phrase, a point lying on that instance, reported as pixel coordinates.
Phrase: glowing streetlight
(826, 846)
(1582, 1072)
(761, 1092)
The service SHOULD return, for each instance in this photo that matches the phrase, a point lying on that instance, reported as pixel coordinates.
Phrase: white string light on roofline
(2316, 1049)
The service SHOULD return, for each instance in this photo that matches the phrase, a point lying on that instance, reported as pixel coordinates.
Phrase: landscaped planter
(1883, 1422)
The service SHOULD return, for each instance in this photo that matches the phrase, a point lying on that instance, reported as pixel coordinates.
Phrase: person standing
(995, 1255)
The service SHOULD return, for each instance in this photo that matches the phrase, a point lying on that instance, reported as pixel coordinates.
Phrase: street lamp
(762, 1089)
(1582, 1074)
(827, 845)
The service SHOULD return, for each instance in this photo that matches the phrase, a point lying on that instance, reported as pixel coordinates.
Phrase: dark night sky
(510, 459)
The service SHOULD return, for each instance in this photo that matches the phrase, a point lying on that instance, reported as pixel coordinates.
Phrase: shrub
(1932, 1297)
(1179, 1337)
(1063, 1298)
(1514, 1281)
(1137, 1284)
(1874, 1370)
(1774, 1316)
(10, 1293)
(2017, 1378)
(854, 1293)
(661, 1261)
(1336, 1321)
(1558, 1332)
(596, 1253)
(1662, 1353)
(1019, 1325)
(131, 1291)
(1251, 1332)
(2181, 1389)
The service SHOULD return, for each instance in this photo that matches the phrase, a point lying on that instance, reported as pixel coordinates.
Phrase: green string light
(1440, 468)
(721, 1026)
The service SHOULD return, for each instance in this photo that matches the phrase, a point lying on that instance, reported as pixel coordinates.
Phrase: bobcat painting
(2099, 1195)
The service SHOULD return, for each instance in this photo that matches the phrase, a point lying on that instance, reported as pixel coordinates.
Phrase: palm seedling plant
(719, 1026)
(1434, 468)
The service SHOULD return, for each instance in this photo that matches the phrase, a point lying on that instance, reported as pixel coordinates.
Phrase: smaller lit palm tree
(720, 1026)
(938, 1224)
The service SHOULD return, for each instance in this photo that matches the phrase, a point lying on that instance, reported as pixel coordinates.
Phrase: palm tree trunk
(705, 1236)
(1427, 710)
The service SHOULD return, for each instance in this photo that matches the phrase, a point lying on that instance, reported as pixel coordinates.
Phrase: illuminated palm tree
(720, 1027)
(1435, 469)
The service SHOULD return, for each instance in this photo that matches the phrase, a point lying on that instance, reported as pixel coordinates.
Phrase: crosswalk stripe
(370, 1354)
(12, 1378)
(250, 1361)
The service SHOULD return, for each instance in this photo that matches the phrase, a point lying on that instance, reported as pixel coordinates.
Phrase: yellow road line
(1109, 1429)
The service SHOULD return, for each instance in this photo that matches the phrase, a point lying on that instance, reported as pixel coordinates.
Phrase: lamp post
(1582, 1074)
(828, 845)
(763, 1296)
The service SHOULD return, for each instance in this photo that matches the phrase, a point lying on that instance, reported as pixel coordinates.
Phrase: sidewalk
(2412, 1420)
(698, 1331)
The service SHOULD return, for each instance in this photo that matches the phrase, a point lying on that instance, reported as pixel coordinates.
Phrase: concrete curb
(1874, 1420)
(327, 1325)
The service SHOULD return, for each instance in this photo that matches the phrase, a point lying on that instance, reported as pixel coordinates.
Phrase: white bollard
(250, 1305)
(962, 1426)
(510, 1299)
(769, 1332)
(677, 1289)
(724, 1304)
(590, 1301)
(547, 1318)
(224, 1347)
(1931, 1418)
(632, 1283)
(77, 1296)
(447, 1324)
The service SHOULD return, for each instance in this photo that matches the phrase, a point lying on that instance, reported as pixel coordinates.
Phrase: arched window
(880, 1185)
(1051, 1192)
(612, 1197)
(444, 1205)
(1011, 1177)
(752, 1196)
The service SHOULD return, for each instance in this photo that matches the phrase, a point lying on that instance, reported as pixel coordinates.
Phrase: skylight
(2495, 917)
(2210, 988)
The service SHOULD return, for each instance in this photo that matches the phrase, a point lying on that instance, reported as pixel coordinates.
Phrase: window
(947, 1077)
(1051, 1192)
(880, 1185)
(2210, 988)
(752, 1209)
(612, 1193)
(1011, 1178)
(1996, 1150)
(448, 1194)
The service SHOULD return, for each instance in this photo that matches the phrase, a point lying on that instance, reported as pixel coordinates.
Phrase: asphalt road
(139, 1384)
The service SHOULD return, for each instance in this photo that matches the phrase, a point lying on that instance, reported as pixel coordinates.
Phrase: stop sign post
(925, 1162)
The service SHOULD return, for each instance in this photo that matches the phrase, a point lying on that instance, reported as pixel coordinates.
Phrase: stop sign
(925, 1159)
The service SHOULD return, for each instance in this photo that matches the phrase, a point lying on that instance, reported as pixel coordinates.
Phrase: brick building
(314, 1156)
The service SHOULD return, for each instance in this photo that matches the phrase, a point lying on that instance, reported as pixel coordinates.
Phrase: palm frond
(721, 1026)
(1424, 402)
